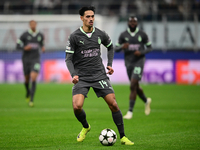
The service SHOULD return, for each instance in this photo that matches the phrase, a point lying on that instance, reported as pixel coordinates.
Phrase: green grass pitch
(174, 122)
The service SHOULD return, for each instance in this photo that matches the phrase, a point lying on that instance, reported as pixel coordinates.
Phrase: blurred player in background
(30, 42)
(83, 59)
(135, 44)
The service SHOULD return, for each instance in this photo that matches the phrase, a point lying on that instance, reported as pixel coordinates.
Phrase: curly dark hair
(83, 9)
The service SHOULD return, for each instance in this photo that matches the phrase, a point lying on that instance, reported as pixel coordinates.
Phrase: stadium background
(172, 25)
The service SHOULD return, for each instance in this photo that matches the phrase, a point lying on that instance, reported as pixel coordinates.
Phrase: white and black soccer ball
(107, 137)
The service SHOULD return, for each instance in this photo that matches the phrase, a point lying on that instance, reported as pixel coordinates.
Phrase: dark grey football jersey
(137, 40)
(36, 40)
(85, 48)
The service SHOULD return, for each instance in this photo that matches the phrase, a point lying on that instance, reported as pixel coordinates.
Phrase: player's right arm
(69, 60)
(42, 43)
(20, 43)
(121, 44)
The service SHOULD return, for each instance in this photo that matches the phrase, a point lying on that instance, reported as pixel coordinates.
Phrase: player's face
(132, 23)
(88, 18)
(33, 25)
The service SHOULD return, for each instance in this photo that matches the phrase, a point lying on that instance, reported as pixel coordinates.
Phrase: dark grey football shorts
(29, 66)
(135, 71)
(101, 88)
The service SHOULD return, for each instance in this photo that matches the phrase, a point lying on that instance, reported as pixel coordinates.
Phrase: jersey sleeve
(70, 48)
(147, 43)
(42, 40)
(118, 45)
(120, 40)
(146, 40)
(20, 41)
(106, 40)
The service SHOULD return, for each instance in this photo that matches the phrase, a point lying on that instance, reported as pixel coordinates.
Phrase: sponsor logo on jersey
(127, 39)
(81, 42)
(34, 45)
(90, 52)
(133, 47)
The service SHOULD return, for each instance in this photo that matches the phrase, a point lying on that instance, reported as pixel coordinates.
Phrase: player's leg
(132, 98)
(33, 76)
(79, 94)
(117, 118)
(116, 113)
(80, 114)
(132, 93)
(35, 68)
(104, 89)
(146, 100)
(133, 88)
(26, 84)
(26, 70)
(135, 76)
(78, 101)
(141, 94)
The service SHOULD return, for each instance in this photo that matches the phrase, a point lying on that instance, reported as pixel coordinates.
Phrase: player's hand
(137, 53)
(27, 47)
(125, 46)
(110, 70)
(43, 49)
(75, 79)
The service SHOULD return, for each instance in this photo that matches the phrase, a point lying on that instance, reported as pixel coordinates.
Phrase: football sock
(117, 118)
(82, 118)
(142, 95)
(27, 89)
(131, 105)
(33, 87)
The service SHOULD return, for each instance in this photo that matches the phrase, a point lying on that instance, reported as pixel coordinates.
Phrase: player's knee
(133, 87)
(77, 108)
(113, 106)
(139, 89)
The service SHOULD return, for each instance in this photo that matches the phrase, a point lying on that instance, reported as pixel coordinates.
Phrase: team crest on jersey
(139, 38)
(99, 40)
(39, 38)
(127, 39)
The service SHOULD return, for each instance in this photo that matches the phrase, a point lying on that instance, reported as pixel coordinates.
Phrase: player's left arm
(147, 43)
(110, 59)
(42, 43)
(107, 42)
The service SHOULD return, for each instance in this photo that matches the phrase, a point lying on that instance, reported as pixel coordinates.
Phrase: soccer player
(135, 44)
(83, 60)
(30, 42)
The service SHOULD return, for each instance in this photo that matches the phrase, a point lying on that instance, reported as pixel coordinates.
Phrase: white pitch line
(96, 109)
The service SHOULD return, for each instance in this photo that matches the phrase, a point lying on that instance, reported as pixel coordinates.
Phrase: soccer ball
(107, 137)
